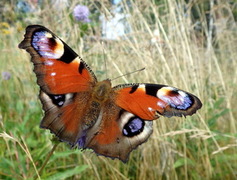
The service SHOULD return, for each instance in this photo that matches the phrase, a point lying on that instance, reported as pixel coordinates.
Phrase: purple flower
(6, 75)
(81, 13)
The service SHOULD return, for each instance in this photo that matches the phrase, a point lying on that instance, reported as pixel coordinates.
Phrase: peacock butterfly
(86, 113)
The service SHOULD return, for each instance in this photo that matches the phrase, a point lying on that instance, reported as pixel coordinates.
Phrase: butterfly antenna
(129, 73)
(105, 62)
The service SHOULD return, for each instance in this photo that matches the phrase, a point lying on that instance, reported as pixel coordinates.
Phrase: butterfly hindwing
(149, 101)
(64, 115)
(117, 132)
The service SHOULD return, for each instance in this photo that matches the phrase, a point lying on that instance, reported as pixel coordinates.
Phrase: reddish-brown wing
(65, 115)
(58, 68)
(117, 132)
(65, 82)
(148, 101)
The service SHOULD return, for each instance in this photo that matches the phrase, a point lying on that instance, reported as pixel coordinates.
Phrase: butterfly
(92, 114)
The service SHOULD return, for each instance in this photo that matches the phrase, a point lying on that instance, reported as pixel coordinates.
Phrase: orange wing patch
(148, 101)
(61, 78)
(58, 68)
(139, 103)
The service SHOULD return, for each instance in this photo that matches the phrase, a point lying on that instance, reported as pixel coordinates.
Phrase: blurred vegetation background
(189, 44)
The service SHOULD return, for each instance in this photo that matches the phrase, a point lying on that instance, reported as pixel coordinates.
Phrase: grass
(199, 61)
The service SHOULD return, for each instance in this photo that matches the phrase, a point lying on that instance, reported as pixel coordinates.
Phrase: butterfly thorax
(102, 91)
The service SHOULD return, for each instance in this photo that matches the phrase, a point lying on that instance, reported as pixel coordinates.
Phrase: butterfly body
(90, 114)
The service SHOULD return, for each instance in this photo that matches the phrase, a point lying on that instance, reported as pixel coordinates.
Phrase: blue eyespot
(133, 127)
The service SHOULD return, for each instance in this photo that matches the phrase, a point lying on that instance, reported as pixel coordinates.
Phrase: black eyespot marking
(174, 92)
(52, 43)
(58, 99)
(133, 89)
(133, 127)
(81, 67)
(151, 89)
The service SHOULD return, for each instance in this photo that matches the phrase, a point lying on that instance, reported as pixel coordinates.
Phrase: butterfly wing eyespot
(58, 68)
(148, 101)
(133, 127)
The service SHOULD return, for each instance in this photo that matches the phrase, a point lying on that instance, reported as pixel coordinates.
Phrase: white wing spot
(142, 87)
(48, 63)
(69, 96)
(183, 94)
(48, 35)
(150, 109)
(161, 104)
(53, 73)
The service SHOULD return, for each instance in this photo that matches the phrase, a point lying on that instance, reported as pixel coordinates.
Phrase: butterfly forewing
(149, 101)
(58, 68)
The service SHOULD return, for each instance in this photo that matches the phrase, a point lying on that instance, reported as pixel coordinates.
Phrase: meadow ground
(192, 46)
